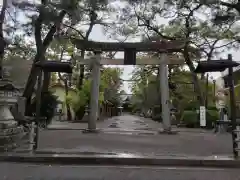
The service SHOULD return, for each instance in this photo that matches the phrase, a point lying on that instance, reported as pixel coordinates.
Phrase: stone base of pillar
(11, 136)
(168, 131)
(92, 131)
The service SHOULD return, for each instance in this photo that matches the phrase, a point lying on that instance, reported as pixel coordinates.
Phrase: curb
(84, 131)
(70, 159)
(176, 131)
(64, 129)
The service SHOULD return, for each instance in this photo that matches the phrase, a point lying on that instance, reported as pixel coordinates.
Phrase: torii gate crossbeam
(130, 50)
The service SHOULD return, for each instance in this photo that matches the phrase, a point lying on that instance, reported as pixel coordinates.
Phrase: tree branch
(79, 32)
(49, 37)
(2, 17)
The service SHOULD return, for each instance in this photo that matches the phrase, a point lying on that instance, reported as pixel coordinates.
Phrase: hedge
(192, 120)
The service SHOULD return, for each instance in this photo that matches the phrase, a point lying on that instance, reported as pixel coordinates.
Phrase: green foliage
(191, 106)
(83, 97)
(183, 97)
(190, 119)
(214, 108)
(48, 106)
(212, 116)
(110, 83)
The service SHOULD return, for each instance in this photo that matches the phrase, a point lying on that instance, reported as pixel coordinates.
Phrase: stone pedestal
(10, 133)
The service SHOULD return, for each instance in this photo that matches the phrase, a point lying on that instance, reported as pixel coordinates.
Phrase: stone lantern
(10, 132)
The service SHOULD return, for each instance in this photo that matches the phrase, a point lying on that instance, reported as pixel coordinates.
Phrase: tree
(202, 38)
(109, 91)
(145, 87)
(60, 49)
(2, 40)
(55, 19)
(82, 25)
(182, 92)
(111, 84)
(45, 19)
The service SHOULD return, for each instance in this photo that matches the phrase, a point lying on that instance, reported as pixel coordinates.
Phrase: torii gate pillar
(95, 83)
(164, 87)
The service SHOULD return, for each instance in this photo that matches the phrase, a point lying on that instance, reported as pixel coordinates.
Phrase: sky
(98, 35)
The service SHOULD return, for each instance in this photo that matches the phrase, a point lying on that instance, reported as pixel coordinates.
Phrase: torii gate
(130, 50)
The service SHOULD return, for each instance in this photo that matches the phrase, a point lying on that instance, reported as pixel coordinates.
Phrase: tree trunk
(82, 70)
(31, 82)
(206, 92)
(158, 87)
(46, 81)
(41, 50)
(196, 83)
(2, 40)
(69, 114)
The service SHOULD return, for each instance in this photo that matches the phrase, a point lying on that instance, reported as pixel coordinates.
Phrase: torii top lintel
(161, 46)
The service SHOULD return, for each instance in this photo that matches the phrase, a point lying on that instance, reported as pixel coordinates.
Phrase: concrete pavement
(10, 171)
(131, 136)
(125, 123)
(183, 144)
(40, 157)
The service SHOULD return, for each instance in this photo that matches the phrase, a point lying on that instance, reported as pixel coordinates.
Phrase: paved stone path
(120, 123)
(183, 144)
(146, 141)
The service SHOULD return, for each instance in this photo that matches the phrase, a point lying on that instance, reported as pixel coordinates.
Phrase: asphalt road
(9, 171)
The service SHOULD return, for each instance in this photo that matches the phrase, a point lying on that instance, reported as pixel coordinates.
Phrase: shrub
(212, 108)
(48, 106)
(190, 119)
(192, 106)
(80, 112)
(211, 117)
